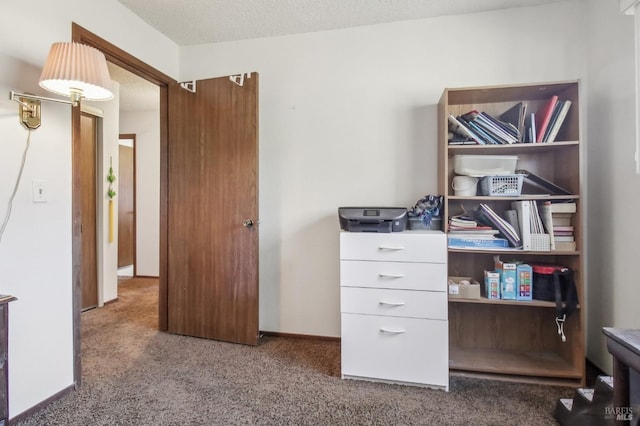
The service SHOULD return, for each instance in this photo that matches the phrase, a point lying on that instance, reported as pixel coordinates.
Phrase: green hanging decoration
(111, 177)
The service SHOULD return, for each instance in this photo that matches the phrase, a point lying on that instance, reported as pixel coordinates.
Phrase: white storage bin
(485, 165)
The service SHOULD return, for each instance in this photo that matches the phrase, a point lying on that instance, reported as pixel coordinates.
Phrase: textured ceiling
(190, 22)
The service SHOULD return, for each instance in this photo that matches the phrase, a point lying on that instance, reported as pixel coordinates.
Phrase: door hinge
(239, 79)
(189, 85)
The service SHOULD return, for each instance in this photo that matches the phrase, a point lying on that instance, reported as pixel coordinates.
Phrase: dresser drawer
(399, 275)
(426, 246)
(395, 349)
(400, 303)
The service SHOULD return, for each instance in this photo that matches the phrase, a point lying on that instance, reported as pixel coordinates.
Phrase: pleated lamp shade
(77, 71)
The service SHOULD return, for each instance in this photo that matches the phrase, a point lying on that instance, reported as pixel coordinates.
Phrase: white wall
(35, 253)
(146, 126)
(612, 183)
(107, 153)
(349, 117)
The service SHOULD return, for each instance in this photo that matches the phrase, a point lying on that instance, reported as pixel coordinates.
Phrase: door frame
(132, 64)
(135, 206)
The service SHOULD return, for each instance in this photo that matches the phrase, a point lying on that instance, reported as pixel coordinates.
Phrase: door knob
(247, 223)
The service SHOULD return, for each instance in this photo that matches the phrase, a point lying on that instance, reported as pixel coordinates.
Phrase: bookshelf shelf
(507, 339)
(522, 303)
(515, 366)
(480, 198)
(510, 149)
(515, 252)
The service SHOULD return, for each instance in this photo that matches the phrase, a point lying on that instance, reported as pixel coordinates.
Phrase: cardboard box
(492, 284)
(524, 282)
(508, 278)
(460, 290)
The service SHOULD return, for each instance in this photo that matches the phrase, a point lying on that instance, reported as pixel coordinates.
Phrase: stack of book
(466, 232)
(557, 218)
(462, 222)
(483, 129)
(515, 125)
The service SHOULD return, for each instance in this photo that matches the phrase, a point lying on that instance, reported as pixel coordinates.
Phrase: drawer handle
(391, 248)
(384, 302)
(391, 331)
(383, 275)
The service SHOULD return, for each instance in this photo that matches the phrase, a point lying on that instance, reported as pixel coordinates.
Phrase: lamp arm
(13, 95)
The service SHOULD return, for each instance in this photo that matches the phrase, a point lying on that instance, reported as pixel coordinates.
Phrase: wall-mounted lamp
(74, 70)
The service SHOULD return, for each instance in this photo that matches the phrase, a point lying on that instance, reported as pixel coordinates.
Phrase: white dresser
(393, 303)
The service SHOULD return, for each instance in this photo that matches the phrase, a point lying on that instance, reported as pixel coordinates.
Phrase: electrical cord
(15, 189)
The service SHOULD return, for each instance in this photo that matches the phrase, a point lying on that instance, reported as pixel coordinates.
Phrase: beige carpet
(135, 375)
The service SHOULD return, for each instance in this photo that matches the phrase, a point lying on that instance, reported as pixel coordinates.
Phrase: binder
(523, 210)
(536, 221)
(511, 216)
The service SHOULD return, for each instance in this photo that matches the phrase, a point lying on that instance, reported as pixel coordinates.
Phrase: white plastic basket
(540, 242)
(504, 185)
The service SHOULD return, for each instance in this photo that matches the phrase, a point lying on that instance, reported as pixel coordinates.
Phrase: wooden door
(126, 205)
(212, 180)
(88, 199)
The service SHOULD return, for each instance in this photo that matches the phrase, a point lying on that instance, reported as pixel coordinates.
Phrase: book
(523, 211)
(511, 216)
(543, 116)
(554, 116)
(485, 234)
(479, 230)
(563, 207)
(566, 246)
(457, 127)
(537, 226)
(516, 115)
(483, 134)
(563, 233)
(462, 142)
(483, 122)
(462, 221)
(543, 183)
(555, 127)
(506, 130)
(467, 228)
(564, 238)
(477, 243)
(561, 219)
(532, 128)
(500, 224)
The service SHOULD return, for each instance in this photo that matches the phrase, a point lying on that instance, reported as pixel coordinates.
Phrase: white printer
(373, 219)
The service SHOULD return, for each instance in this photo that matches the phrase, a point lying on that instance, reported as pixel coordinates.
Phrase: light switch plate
(39, 191)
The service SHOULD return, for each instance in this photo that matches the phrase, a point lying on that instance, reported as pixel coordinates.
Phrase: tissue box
(524, 282)
(492, 284)
(508, 277)
(463, 291)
